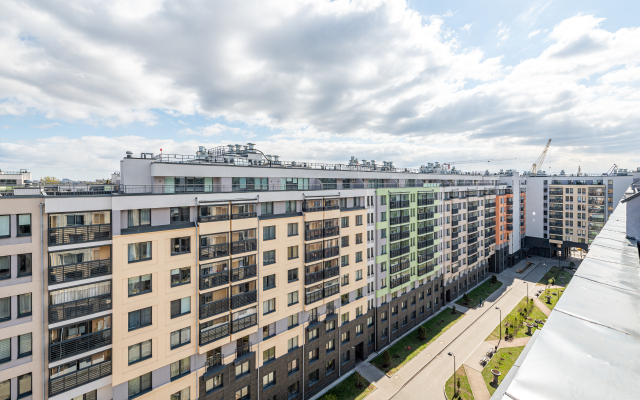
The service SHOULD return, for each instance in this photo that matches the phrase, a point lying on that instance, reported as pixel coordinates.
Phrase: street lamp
(500, 325)
(455, 390)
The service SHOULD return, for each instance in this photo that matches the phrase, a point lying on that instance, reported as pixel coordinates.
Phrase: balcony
(490, 233)
(79, 271)
(510, 220)
(214, 334)
(454, 247)
(454, 223)
(454, 210)
(425, 257)
(244, 323)
(214, 308)
(331, 231)
(555, 192)
(79, 345)
(81, 377)
(400, 281)
(312, 256)
(213, 218)
(471, 260)
(509, 211)
(423, 216)
(243, 299)
(79, 234)
(425, 229)
(488, 243)
(454, 235)
(399, 220)
(214, 251)
(331, 290)
(213, 361)
(426, 202)
(243, 246)
(472, 251)
(400, 251)
(238, 274)
(455, 269)
(556, 223)
(313, 234)
(472, 208)
(425, 243)
(313, 297)
(213, 280)
(473, 218)
(398, 204)
(331, 272)
(509, 227)
(244, 215)
(243, 350)
(425, 270)
(399, 267)
(399, 236)
(489, 215)
(472, 229)
(489, 205)
(331, 252)
(454, 258)
(555, 200)
(490, 224)
(79, 308)
(313, 277)
(472, 240)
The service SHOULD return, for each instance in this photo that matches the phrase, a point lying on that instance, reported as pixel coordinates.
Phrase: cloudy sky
(83, 81)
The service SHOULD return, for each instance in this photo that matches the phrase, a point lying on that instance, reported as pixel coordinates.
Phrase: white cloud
(466, 27)
(533, 33)
(47, 126)
(216, 130)
(503, 33)
(449, 14)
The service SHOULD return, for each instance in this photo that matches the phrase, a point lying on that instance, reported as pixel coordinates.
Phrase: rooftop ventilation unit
(354, 161)
(129, 154)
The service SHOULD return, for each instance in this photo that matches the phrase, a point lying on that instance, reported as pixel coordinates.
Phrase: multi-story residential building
(233, 274)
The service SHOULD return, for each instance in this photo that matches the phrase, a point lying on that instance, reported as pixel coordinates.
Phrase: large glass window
(139, 351)
(5, 226)
(5, 390)
(24, 264)
(180, 367)
(140, 285)
(5, 267)
(249, 184)
(180, 307)
(24, 385)
(214, 382)
(180, 245)
(140, 318)
(79, 219)
(5, 350)
(180, 337)
(139, 251)
(24, 305)
(140, 384)
(181, 395)
(24, 345)
(179, 214)
(139, 217)
(5, 309)
(24, 224)
(180, 276)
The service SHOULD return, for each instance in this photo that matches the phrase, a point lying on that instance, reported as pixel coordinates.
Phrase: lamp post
(455, 389)
(500, 325)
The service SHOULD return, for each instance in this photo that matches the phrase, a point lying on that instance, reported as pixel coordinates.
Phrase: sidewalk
(478, 386)
(543, 307)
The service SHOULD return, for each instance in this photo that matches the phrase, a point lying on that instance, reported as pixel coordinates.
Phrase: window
(290, 206)
(5, 226)
(359, 311)
(24, 264)
(345, 241)
(292, 298)
(293, 389)
(24, 345)
(314, 377)
(292, 229)
(24, 224)
(358, 275)
(344, 222)
(330, 367)
(269, 257)
(358, 220)
(346, 356)
(345, 337)
(180, 307)
(139, 318)
(269, 282)
(5, 390)
(293, 366)
(269, 379)
(314, 355)
(180, 368)
(140, 384)
(243, 394)
(313, 334)
(139, 217)
(180, 245)
(268, 233)
(5, 352)
(179, 214)
(139, 352)
(268, 306)
(180, 337)
(344, 260)
(140, 285)
(292, 252)
(384, 333)
(330, 346)
(269, 355)
(24, 385)
(370, 321)
(180, 276)
(242, 369)
(24, 305)
(268, 331)
(266, 208)
(5, 309)
(345, 281)
(331, 325)
(181, 395)
(383, 316)
(5, 267)
(292, 343)
(139, 251)
(292, 321)
(359, 330)
(394, 310)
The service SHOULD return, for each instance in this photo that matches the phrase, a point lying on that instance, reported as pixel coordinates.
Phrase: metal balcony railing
(489, 205)
(79, 271)
(425, 229)
(398, 204)
(509, 227)
(454, 247)
(244, 323)
(331, 290)
(399, 220)
(489, 215)
(471, 260)
(244, 215)
(490, 233)
(454, 258)
(509, 211)
(243, 299)
(331, 231)
(313, 234)
(213, 280)
(399, 267)
(455, 210)
(555, 200)
(472, 229)
(79, 234)
(399, 251)
(472, 251)
(214, 251)
(399, 281)
(238, 274)
(243, 349)
(425, 243)
(313, 297)
(243, 246)
(472, 240)
(214, 334)
(455, 269)
(490, 224)
(331, 272)
(454, 234)
(313, 277)
(425, 257)
(212, 218)
(426, 202)
(214, 360)
(311, 256)
(473, 218)
(399, 236)
(331, 252)
(472, 208)
(79, 345)
(454, 223)
(214, 308)
(423, 216)
(79, 308)
(81, 377)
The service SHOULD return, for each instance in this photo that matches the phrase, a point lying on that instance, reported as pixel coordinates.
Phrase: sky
(84, 81)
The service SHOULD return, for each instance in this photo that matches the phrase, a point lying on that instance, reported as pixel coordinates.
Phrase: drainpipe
(198, 296)
(44, 363)
(257, 291)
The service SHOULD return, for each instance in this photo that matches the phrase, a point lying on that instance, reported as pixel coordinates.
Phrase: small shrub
(386, 358)
(329, 396)
(359, 381)
(453, 310)
(422, 333)
(466, 298)
(494, 279)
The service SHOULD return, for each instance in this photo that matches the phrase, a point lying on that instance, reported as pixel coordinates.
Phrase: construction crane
(537, 166)
(448, 164)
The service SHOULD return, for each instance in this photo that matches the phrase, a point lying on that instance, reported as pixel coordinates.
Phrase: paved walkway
(370, 372)
(477, 383)
(517, 342)
(543, 307)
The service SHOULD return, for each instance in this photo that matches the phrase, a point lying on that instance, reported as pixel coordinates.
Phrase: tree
(422, 333)
(466, 298)
(494, 279)
(50, 179)
(386, 358)
(453, 310)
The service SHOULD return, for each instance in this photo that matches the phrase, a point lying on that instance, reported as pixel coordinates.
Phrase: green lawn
(481, 292)
(554, 272)
(503, 360)
(410, 346)
(347, 389)
(511, 320)
(554, 299)
(464, 392)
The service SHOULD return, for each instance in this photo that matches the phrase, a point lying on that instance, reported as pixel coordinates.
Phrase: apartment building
(234, 274)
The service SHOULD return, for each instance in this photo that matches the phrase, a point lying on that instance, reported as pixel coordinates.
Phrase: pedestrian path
(370, 372)
(477, 383)
(543, 307)
(517, 342)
